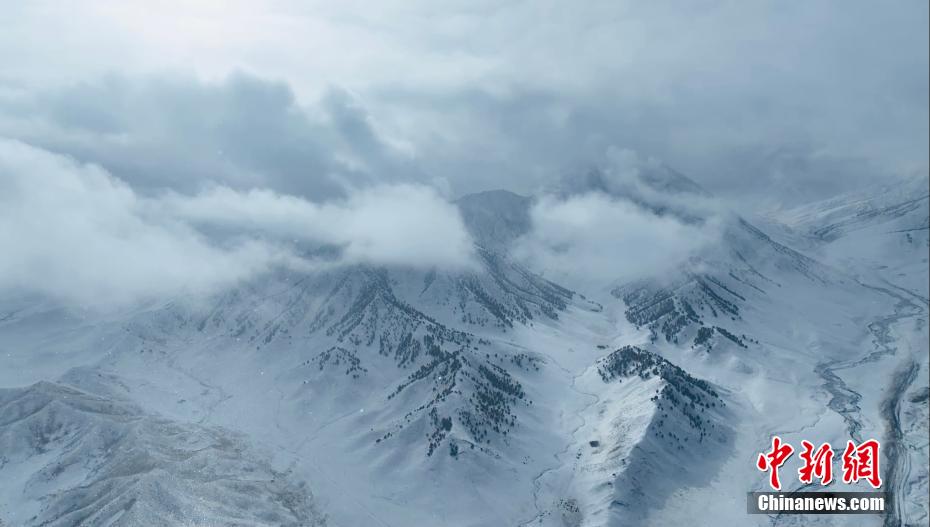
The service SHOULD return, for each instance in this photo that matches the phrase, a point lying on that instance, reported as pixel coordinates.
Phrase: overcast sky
(129, 129)
(763, 100)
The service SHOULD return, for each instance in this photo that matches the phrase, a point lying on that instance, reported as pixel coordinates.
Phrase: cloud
(713, 89)
(593, 238)
(75, 233)
(404, 225)
(175, 131)
(755, 100)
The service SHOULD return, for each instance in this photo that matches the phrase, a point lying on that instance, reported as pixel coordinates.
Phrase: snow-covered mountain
(491, 396)
(78, 453)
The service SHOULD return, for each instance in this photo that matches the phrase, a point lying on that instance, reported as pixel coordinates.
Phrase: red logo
(774, 459)
(819, 464)
(859, 462)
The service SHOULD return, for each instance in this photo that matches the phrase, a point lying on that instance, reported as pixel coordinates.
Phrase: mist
(77, 233)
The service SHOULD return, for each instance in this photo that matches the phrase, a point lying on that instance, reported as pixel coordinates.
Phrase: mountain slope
(76, 458)
(485, 396)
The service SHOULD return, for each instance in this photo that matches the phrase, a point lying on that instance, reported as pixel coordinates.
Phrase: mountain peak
(495, 217)
(625, 173)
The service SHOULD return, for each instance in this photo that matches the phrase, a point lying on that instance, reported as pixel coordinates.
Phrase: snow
(836, 346)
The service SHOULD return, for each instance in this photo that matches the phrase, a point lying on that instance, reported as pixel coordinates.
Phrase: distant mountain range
(492, 396)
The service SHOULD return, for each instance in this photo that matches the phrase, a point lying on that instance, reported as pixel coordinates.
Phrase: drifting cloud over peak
(74, 232)
(403, 224)
(593, 238)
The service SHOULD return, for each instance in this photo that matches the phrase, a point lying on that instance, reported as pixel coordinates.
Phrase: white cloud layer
(593, 239)
(405, 225)
(75, 233)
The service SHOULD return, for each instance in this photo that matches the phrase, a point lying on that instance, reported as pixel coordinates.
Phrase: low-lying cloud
(76, 233)
(403, 224)
(593, 239)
